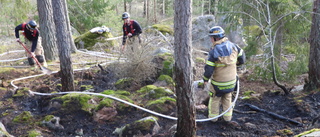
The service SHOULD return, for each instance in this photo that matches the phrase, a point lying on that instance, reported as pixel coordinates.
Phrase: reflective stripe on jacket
(221, 66)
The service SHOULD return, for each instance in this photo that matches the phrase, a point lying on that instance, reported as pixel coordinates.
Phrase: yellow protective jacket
(221, 66)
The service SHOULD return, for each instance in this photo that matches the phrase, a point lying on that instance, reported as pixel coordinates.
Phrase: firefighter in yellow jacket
(221, 68)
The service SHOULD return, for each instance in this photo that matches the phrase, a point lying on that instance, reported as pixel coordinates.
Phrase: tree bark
(73, 46)
(125, 5)
(314, 59)
(47, 29)
(66, 70)
(186, 126)
(155, 10)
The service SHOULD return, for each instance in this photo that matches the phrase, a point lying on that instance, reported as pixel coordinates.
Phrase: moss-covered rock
(154, 92)
(168, 63)
(167, 79)
(163, 28)
(107, 102)
(89, 40)
(76, 101)
(163, 105)
(24, 117)
(21, 92)
(143, 127)
(123, 83)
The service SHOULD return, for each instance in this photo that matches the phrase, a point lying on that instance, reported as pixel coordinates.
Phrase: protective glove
(18, 40)
(32, 53)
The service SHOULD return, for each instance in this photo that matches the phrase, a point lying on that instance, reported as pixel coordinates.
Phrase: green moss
(146, 89)
(163, 28)
(105, 103)
(162, 105)
(145, 123)
(119, 94)
(307, 132)
(74, 101)
(168, 63)
(24, 117)
(21, 92)
(122, 92)
(33, 133)
(108, 92)
(48, 118)
(161, 101)
(123, 83)
(159, 92)
(166, 78)
(6, 69)
(86, 87)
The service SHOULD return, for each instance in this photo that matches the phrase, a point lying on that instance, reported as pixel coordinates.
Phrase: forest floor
(299, 107)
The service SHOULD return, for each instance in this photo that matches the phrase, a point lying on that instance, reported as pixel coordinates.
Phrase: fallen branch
(273, 114)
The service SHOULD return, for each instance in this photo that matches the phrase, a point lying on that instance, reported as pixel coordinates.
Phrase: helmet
(32, 24)
(216, 32)
(125, 15)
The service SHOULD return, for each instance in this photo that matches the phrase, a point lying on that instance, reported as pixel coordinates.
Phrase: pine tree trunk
(66, 70)
(314, 59)
(47, 29)
(186, 125)
(72, 45)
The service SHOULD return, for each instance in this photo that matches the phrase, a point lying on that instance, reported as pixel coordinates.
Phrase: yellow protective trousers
(38, 52)
(214, 106)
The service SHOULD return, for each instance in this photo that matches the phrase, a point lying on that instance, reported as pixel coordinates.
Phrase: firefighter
(131, 30)
(221, 71)
(32, 41)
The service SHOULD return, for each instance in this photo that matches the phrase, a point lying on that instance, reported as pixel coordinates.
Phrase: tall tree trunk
(66, 70)
(186, 126)
(47, 29)
(163, 7)
(314, 59)
(145, 8)
(125, 5)
(215, 10)
(155, 10)
(72, 45)
(202, 7)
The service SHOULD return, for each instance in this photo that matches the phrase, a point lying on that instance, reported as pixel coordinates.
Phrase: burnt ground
(303, 107)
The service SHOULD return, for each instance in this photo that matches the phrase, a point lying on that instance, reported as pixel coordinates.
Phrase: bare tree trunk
(145, 8)
(155, 10)
(125, 5)
(314, 59)
(202, 7)
(209, 7)
(163, 7)
(186, 126)
(47, 29)
(73, 46)
(66, 70)
(215, 10)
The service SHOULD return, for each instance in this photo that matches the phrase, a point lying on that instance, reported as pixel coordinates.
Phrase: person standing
(221, 70)
(131, 30)
(32, 41)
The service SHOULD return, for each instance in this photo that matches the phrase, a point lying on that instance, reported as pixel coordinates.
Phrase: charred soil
(302, 107)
